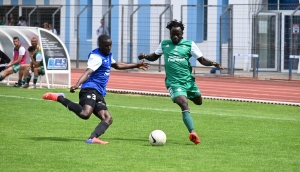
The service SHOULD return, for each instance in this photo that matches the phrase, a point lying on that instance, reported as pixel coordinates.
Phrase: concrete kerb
(205, 71)
(120, 91)
(204, 97)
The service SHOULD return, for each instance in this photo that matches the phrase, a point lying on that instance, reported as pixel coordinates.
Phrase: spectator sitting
(38, 67)
(18, 64)
(22, 21)
(2, 20)
(36, 24)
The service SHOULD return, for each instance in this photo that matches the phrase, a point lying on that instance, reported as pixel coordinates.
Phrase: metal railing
(219, 31)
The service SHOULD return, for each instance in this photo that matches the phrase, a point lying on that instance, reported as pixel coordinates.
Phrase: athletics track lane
(269, 90)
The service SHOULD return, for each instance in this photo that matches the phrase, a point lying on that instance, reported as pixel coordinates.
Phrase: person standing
(102, 30)
(179, 80)
(46, 25)
(53, 30)
(93, 88)
(12, 21)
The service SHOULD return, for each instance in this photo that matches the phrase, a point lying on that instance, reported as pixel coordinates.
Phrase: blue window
(205, 21)
(283, 4)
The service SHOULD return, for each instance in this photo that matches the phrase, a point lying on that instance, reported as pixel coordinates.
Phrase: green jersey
(176, 58)
(38, 58)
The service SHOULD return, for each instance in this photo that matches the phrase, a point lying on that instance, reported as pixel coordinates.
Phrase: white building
(139, 25)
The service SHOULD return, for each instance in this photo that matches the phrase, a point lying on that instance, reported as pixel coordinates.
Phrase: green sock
(19, 82)
(23, 81)
(188, 120)
(1, 78)
(28, 78)
(35, 78)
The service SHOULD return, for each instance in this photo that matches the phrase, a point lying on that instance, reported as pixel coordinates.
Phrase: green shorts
(16, 67)
(189, 90)
(42, 71)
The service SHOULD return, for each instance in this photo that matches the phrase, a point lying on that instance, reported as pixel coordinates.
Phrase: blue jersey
(99, 78)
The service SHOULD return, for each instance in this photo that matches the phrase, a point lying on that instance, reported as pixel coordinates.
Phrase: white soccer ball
(157, 138)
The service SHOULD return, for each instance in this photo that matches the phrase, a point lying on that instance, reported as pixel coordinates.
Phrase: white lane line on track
(233, 91)
(227, 87)
(170, 110)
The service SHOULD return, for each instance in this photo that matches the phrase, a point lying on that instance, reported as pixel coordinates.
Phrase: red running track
(269, 90)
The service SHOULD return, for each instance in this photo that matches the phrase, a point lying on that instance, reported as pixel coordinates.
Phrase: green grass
(38, 135)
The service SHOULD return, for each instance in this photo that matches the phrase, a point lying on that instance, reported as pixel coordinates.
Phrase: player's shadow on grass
(56, 139)
(144, 142)
(170, 142)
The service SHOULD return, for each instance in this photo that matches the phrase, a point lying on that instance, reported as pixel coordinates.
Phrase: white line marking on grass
(19, 97)
(170, 110)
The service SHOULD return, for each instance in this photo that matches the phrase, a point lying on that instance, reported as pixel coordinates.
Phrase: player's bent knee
(85, 115)
(198, 103)
(182, 104)
(108, 120)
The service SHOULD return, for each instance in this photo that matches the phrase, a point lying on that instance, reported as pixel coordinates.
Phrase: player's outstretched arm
(207, 62)
(122, 66)
(83, 78)
(151, 57)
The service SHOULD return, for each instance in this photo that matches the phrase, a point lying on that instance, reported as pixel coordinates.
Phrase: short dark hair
(102, 38)
(21, 18)
(175, 23)
(14, 38)
(31, 49)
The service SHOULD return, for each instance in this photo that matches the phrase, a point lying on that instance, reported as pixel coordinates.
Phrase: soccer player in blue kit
(93, 88)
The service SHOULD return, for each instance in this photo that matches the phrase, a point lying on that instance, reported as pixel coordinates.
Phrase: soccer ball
(157, 138)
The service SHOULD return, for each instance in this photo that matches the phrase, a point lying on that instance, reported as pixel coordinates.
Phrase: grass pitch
(39, 135)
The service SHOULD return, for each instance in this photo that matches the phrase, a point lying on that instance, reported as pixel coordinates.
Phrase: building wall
(81, 29)
(87, 37)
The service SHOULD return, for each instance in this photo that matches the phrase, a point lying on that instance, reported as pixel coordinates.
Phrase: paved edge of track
(167, 95)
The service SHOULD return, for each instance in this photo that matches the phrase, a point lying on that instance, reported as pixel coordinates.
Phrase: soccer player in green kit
(179, 80)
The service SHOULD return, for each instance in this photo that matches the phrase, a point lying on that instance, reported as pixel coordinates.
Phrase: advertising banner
(55, 54)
